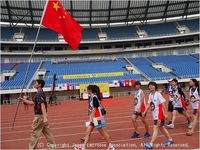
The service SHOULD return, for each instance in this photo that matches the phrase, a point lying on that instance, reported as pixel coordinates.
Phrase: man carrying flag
(40, 123)
(59, 20)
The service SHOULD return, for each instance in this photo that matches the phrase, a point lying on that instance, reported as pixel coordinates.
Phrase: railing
(189, 76)
(104, 49)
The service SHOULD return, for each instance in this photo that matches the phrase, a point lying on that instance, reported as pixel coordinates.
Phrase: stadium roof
(100, 11)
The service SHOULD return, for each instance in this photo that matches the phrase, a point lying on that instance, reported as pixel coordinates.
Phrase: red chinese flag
(59, 20)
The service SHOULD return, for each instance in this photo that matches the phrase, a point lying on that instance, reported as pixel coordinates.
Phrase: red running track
(67, 122)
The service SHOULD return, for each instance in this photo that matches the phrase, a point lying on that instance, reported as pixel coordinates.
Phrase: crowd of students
(97, 119)
(156, 103)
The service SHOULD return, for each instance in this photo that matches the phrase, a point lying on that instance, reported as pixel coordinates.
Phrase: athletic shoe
(135, 135)
(171, 126)
(190, 133)
(82, 139)
(190, 125)
(148, 145)
(79, 148)
(169, 123)
(169, 142)
(147, 135)
(189, 120)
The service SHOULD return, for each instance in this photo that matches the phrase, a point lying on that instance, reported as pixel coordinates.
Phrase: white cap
(170, 80)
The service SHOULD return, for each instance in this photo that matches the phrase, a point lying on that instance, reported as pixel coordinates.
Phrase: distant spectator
(5, 100)
(50, 99)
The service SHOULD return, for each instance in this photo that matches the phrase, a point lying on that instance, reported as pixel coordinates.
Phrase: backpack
(184, 96)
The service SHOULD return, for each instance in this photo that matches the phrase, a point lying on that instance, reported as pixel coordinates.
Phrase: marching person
(100, 98)
(94, 111)
(179, 105)
(194, 98)
(139, 107)
(171, 98)
(40, 122)
(156, 103)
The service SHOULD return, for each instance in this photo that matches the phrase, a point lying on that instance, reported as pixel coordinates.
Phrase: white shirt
(194, 95)
(170, 91)
(155, 101)
(178, 104)
(138, 100)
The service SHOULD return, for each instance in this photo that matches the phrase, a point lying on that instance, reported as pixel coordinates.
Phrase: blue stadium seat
(159, 29)
(7, 66)
(145, 66)
(120, 32)
(183, 65)
(196, 55)
(87, 68)
(90, 33)
(16, 82)
(8, 32)
(192, 24)
(47, 34)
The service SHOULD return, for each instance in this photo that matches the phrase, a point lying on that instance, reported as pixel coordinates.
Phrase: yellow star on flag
(55, 5)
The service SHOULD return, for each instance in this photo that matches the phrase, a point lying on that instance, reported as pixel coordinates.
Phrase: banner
(94, 75)
(109, 74)
(77, 76)
(104, 88)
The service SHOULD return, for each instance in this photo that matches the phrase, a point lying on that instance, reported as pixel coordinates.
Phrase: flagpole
(29, 63)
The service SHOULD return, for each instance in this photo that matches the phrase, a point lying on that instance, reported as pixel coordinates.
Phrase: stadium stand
(30, 33)
(120, 32)
(88, 68)
(85, 60)
(47, 34)
(196, 55)
(16, 82)
(146, 67)
(159, 29)
(90, 34)
(44, 35)
(183, 65)
(7, 32)
(192, 24)
(7, 66)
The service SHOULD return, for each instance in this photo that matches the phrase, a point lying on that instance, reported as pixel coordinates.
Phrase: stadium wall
(74, 94)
